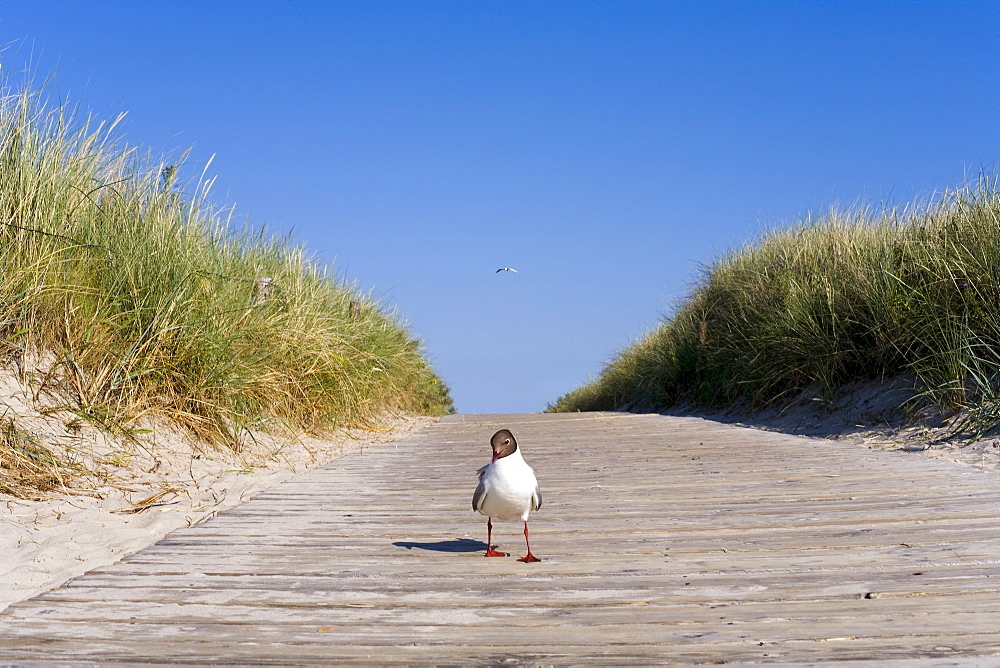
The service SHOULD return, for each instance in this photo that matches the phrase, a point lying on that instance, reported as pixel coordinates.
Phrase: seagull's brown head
(503, 444)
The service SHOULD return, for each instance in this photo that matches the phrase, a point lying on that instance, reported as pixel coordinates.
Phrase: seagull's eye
(506, 441)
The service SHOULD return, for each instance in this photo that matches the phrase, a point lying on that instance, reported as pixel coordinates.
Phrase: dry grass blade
(151, 501)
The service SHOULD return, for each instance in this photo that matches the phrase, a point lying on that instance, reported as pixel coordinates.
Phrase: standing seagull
(507, 489)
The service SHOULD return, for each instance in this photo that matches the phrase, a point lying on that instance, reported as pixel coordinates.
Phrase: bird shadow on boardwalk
(454, 545)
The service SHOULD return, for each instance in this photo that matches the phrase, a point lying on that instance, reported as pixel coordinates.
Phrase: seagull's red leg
(529, 557)
(490, 552)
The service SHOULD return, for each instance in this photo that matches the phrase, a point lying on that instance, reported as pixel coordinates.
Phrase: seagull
(505, 269)
(507, 489)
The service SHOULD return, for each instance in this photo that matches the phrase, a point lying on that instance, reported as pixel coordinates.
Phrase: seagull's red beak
(496, 455)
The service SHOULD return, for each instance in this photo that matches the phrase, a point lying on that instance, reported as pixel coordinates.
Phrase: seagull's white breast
(509, 488)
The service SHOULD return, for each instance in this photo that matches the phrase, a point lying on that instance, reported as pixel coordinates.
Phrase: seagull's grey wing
(536, 498)
(479, 496)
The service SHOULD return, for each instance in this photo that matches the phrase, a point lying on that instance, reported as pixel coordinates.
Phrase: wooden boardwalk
(663, 540)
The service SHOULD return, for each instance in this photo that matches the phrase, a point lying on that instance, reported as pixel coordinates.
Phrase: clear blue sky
(603, 149)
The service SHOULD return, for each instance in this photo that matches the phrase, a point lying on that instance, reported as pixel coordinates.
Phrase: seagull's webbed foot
(490, 552)
(528, 558)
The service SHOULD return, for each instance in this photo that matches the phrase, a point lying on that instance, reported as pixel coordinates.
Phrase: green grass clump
(143, 296)
(852, 296)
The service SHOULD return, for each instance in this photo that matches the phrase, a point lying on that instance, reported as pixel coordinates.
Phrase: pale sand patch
(44, 543)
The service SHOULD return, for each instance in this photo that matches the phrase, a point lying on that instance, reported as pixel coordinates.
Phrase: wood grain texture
(663, 540)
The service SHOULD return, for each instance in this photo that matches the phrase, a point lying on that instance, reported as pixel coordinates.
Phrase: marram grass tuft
(151, 302)
(851, 296)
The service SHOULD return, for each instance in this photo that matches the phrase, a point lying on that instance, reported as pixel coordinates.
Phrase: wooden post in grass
(702, 332)
(355, 310)
(262, 289)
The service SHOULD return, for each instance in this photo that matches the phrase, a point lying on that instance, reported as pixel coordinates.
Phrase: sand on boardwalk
(175, 484)
(143, 487)
(162, 481)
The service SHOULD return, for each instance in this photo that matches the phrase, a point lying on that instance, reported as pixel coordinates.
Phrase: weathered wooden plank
(664, 540)
(244, 644)
(464, 590)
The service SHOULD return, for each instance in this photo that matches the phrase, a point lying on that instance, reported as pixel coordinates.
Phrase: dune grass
(854, 295)
(146, 299)
(28, 469)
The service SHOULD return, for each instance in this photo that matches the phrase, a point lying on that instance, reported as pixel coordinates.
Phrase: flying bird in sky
(505, 269)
